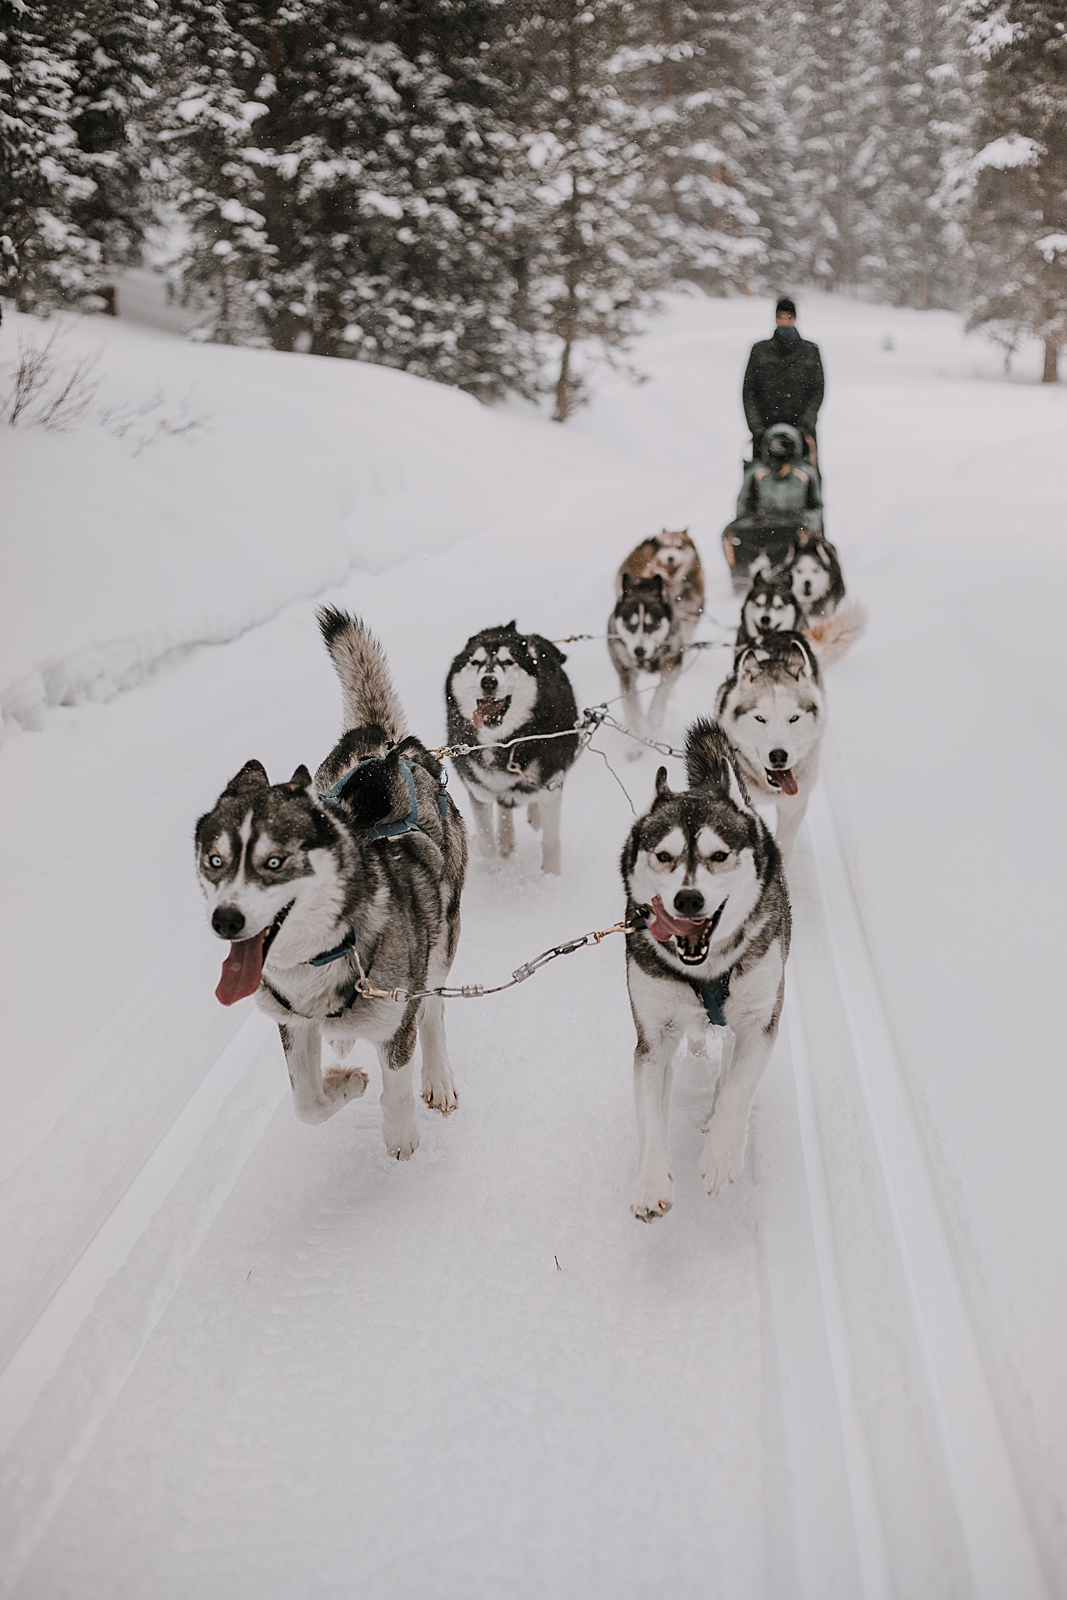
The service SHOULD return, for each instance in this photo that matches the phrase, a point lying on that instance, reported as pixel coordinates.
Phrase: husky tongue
(242, 970)
(663, 925)
(485, 710)
(782, 778)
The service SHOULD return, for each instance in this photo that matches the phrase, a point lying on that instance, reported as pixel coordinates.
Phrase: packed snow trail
(320, 1373)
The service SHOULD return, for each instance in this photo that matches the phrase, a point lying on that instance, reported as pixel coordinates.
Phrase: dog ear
(301, 778)
(747, 664)
(663, 788)
(657, 582)
(627, 584)
(798, 660)
(253, 775)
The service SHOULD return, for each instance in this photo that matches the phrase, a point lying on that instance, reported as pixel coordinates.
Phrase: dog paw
(653, 1200)
(533, 816)
(344, 1083)
(402, 1146)
(724, 1156)
(440, 1095)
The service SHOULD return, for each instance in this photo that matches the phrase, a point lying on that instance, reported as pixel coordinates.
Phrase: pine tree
(71, 158)
(348, 175)
(1017, 225)
(597, 257)
(695, 78)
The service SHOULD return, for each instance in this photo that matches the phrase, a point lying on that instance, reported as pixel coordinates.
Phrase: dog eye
(718, 855)
(758, 717)
(273, 862)
(664, 856)
(214, 861)
(796, 718)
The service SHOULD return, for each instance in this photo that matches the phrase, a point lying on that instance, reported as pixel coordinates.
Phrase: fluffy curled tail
(367, 692)
(832, 636)
(710, 763)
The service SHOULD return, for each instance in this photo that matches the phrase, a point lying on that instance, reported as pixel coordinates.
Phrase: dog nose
(228, 922)
(489, 684)
(639, 651)
(689, 903)
(779, 758)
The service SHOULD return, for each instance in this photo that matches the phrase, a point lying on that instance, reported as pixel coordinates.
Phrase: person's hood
(776, 429)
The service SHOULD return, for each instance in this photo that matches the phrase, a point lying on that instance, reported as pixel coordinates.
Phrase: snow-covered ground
(243, 1357)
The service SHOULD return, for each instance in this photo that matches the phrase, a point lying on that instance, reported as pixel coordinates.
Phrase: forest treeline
(458, 187)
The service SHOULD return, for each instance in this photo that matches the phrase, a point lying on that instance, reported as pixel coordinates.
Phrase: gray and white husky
(774, 710)
(358, 873)
(648, 633)
(704, 878)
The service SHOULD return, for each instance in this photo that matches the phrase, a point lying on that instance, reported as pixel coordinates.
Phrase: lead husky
(505, 685)
(704, 877)
(357, 873)
(775, 712)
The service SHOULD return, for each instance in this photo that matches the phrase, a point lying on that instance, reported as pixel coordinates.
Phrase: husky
(647, 634)
(357, 874)
(674, 558)
(769, 607)
(774, 710)
(705, 885)
(815, 576)
(505, 685)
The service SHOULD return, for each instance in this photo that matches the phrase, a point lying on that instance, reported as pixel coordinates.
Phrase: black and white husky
(815, 576)
(647, 633)
(358, 873)
(505, 685)
(704, 877)
(774, 710)
(769, 607)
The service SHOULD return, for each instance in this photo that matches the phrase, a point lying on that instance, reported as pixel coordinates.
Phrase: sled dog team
(356, 874)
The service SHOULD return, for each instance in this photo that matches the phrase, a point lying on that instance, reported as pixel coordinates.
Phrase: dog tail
(710, 763)
(367, 692)
(834, 635)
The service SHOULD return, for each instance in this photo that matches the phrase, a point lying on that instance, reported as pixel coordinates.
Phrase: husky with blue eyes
(318, 884)
(706, 888)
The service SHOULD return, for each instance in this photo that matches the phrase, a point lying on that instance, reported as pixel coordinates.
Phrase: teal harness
(713, 997)
(390, 830)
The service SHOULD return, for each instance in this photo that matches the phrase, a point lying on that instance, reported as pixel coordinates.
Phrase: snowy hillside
(242, 1357)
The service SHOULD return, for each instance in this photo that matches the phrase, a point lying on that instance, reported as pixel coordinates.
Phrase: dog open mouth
(781, 778)
(243, 968)
(490, 713)
(692, 939)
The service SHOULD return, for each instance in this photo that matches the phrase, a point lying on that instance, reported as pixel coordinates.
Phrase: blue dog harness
(713, 997)
(390, 830)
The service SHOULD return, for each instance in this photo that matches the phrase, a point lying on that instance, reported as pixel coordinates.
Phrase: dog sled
(779, 507)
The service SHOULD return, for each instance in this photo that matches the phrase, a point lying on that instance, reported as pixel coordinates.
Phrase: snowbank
(116, 558)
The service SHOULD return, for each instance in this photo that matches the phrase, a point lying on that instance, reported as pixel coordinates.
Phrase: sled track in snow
(999, 1547)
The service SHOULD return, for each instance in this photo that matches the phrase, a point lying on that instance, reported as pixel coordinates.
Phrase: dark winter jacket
(791, 489)
(783, 383)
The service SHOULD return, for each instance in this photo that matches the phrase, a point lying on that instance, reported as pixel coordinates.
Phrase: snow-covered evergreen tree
(598, 256)
(75, 81)
(348, 176)
(694, 74)
(1017, 224)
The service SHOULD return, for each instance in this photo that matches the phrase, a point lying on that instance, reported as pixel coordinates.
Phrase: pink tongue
(242, 970)
(485, 708)
(665, 925)
(785, 780)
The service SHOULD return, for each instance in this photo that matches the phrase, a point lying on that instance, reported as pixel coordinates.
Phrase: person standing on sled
(783, 381)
